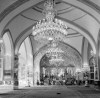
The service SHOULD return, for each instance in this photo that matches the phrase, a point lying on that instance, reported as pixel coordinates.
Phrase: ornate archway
(72, 57)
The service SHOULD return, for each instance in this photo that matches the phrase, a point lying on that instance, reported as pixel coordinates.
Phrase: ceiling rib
(28, 18)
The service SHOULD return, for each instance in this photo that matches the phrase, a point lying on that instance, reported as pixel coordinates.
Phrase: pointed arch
(9, 52)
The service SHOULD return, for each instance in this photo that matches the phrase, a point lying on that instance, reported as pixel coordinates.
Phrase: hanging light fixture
(54, 52)
(50, 27)
(53, 48)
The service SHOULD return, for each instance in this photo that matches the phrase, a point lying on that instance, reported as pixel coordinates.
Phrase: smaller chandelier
(53, 49)
(49, 26)
(54, 52)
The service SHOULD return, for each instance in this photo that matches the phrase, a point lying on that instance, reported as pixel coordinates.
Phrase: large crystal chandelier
(50, 27)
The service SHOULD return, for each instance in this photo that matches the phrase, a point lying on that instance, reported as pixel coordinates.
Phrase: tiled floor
(54, 92)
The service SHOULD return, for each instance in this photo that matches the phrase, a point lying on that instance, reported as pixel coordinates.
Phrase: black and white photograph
(49, 48)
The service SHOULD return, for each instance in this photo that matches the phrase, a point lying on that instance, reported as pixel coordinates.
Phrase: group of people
(55, 80)
(66, 79)
(50, 80)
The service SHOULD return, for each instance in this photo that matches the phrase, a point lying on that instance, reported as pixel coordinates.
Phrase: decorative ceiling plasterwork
(11, 8)
(91, 4)
(20, 2)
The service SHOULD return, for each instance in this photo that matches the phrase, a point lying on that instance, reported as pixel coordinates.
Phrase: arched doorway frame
(10, 55)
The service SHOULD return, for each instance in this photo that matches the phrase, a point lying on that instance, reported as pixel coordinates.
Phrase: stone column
(2, 61)
(97, 68)
(36, 72)
(85, 52)
(15, 72)
(86, 55)
(97, 71)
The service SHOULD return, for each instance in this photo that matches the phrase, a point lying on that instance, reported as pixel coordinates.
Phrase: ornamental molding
(91, 4)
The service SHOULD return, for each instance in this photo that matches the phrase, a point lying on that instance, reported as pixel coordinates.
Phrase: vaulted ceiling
(81, 16)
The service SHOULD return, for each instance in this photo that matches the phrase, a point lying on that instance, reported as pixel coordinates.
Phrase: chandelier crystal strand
(49, 10)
